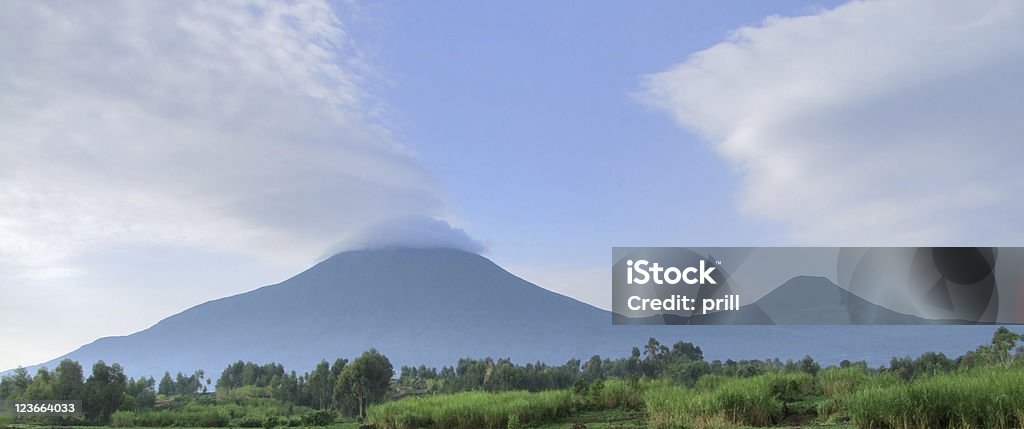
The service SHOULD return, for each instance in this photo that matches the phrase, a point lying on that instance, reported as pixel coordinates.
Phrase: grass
(472, 410)
(991, 398)
(834, 398)
(724, 402)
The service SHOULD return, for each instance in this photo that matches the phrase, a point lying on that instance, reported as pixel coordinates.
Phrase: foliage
(726, 402)
(366, 381)
(982, 398)
(104, 391)
(471, 410)
(217, 411)
(670, 387)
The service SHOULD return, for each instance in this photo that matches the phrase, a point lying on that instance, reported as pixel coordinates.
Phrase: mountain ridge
(435, 306)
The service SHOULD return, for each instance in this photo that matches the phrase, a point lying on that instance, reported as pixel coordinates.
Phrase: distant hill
(434, 306)
(817, 301)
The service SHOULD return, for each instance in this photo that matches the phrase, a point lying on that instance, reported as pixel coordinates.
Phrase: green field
(835, 397)
(669, 388)
(853, 397)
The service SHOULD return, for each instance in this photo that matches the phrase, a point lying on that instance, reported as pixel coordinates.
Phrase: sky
(154, 156)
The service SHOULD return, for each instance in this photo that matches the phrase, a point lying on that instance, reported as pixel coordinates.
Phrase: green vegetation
(756, 401)
(979, 398)
(472, 410)
(659, 387)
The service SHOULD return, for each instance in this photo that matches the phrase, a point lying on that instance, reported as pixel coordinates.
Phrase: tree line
(350, 387)
(346, 386)
(105, 391)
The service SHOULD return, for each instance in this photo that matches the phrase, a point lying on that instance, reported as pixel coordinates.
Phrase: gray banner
(817, 285)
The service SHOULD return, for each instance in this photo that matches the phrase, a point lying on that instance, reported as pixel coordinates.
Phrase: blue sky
(524, 110)
(154, 156)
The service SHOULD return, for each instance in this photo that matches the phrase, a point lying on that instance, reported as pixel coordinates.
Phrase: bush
(248, 422)
(192, 415)
(319, 418)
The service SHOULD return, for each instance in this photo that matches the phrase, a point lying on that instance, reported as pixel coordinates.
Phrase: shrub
(248, 422)
(319, 418)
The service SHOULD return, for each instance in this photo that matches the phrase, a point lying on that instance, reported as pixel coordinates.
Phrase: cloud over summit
(413, 231)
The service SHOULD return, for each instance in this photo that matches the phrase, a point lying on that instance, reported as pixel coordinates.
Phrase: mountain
(417, 306)
(435, 306)
(809, 300)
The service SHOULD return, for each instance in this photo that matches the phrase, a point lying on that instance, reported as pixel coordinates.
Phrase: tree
(1003, 343)
(68, 383)
(41, 387)
(104, 391)
(141, 393)
(633, 363)
(365, 381)
(999, 352)
(167, 386)
(592, 370)
(189, 385)
(13, 386)
(320, 385)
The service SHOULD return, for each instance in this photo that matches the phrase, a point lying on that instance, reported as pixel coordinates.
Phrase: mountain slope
(434, 306)
(817, 301)
(415, 305)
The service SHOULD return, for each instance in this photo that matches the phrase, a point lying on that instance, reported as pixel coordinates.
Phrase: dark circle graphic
(958, 280)
(963, 265)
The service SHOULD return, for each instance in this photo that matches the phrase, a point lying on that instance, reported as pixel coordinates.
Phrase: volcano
(435, 306)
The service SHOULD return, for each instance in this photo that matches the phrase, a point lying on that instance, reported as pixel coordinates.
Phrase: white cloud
(232, 126)
(155, 155)
(895, 122)
(415, 231)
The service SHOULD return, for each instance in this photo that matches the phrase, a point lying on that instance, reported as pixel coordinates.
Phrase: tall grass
(613, 394)
(843, 381)
(471, 410)
(987, 398)
(726, 402)
(837, 384)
